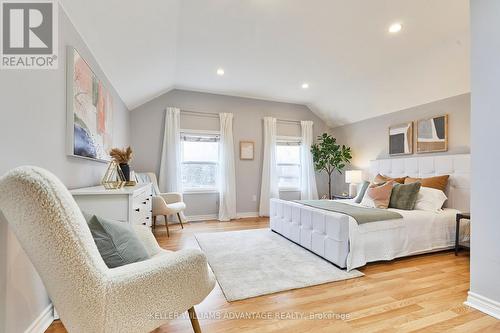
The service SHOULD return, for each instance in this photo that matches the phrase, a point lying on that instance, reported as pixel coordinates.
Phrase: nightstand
(341, 197)
(460, 216)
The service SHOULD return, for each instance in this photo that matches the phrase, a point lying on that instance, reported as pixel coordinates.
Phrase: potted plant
(328, 156)
(122, 157)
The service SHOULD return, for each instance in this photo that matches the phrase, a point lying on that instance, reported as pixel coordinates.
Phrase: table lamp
(353, 178)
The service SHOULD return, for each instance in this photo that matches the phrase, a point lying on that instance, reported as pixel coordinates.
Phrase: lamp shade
(353, 176)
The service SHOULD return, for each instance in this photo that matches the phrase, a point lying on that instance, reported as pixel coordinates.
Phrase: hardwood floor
(417, 294)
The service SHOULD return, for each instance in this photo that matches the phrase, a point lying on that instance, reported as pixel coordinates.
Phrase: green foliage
(328, 156)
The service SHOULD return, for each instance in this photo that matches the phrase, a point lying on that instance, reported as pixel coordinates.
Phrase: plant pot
(126, 170)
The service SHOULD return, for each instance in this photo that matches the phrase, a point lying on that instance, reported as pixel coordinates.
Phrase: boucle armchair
(164, 204)
(89, 296)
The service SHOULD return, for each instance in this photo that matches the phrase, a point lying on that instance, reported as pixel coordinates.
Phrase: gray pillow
(116, 241)
(361, 193)
(404, 196)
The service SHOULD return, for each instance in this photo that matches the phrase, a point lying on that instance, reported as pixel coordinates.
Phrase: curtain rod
(201, 114)
(216, 115)
(288, 121)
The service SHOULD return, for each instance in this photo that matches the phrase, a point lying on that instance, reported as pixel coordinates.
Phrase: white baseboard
(483, 304)
(247, 215)
(208, 217)
(42, 322)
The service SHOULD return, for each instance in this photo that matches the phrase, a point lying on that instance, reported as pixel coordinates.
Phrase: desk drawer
(142, 201)
(141, 215)
(142, 192)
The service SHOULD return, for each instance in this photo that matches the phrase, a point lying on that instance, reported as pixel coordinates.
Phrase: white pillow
(367, 201)
(430, 199)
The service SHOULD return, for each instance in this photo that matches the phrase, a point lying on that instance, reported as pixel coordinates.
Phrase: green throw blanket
(360, 214)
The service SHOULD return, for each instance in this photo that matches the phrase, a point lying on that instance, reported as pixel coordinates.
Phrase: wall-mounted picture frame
(432, 134)
(401, 139)
(247, 150)
(89, 111)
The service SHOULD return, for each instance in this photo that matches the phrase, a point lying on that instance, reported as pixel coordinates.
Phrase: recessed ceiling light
(395, 27)
(305, 85)
(220, 71)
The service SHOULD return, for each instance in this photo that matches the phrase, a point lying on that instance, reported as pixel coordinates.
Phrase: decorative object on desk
(113, 178)
(353, 178)
(401, 139)
(89, 111)
(132, 181)
(247, 150)
(122, 157)
(432, 134)
(328, 156)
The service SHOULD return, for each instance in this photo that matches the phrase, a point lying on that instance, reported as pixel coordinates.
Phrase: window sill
(200, 192)
(289, 189)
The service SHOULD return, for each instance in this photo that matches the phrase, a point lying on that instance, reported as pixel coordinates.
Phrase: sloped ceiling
(268, 48)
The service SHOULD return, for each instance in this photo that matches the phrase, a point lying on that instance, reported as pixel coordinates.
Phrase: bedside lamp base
(353, 190)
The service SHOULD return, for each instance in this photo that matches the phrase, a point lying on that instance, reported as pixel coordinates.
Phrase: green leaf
(329, 156)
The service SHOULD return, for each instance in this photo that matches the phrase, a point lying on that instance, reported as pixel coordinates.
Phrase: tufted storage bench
(322, 232)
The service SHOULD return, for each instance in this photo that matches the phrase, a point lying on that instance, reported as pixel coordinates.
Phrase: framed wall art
(247, 150)
(401, 139)
(89, 111)
(432, 134)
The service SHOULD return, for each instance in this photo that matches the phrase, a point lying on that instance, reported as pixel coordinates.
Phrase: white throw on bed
(417, 232)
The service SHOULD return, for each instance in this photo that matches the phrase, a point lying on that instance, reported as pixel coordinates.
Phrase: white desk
(129, 204)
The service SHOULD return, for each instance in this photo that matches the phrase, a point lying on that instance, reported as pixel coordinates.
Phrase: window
(200, 161)
(288, 163)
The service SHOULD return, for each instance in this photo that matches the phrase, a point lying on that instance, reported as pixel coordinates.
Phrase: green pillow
(361, 193)
(404, 196)
(116, 241)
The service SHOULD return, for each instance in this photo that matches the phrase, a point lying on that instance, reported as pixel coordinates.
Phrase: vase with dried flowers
(122, 157)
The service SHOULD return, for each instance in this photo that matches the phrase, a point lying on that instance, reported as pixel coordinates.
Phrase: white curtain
(308, 190)
(170, 165)
(227, 178)
(269, 188)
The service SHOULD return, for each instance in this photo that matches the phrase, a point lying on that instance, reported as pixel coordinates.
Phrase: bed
(339, 239)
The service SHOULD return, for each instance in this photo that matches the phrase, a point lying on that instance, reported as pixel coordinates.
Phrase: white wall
(33, 131)
(369, 139)
(485, 232)
(3, 272)
(147, 124)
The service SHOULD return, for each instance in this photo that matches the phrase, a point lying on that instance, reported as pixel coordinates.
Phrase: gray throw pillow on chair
(116, 241)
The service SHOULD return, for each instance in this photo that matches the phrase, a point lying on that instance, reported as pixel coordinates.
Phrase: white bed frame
(327, 233)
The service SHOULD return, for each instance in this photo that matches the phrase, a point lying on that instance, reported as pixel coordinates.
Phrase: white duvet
(417, 232)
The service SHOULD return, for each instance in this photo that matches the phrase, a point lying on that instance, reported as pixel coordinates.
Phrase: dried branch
(121, 156)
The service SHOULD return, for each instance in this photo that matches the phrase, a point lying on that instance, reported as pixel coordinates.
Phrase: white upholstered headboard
(457, 166)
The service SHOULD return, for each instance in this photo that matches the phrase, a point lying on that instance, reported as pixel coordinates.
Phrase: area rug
(252, 263)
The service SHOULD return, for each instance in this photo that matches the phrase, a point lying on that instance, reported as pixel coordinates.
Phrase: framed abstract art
(89, 111)
(432, 134)
(247, 150)
(401, 139)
